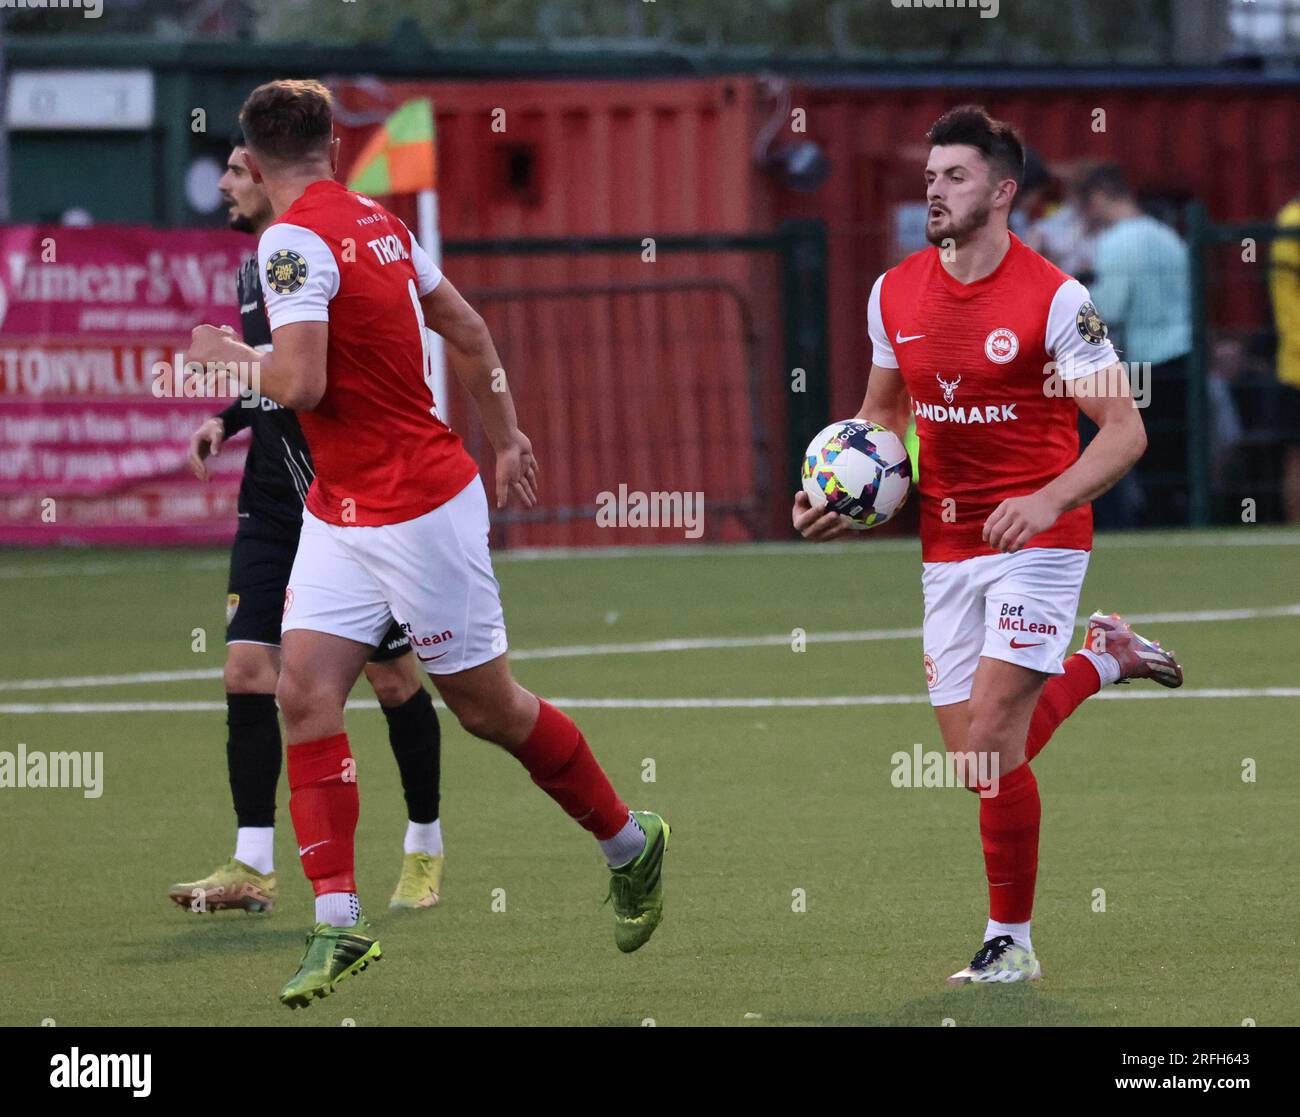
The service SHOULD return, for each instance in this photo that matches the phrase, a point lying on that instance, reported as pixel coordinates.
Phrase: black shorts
(260, 563)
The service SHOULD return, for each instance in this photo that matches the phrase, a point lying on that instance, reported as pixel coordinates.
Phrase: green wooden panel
(109, 174)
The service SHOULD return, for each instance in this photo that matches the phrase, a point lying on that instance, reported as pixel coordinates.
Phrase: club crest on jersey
(949, 387)
(1091, 327)
(1001, 346)
(286, 271)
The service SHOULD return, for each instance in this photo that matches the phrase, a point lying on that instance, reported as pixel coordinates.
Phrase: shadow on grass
(195, 937)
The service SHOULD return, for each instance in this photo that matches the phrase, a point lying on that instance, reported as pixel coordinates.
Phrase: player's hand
(208, 343)
(815, 524)
(204, 442)
(517, 471)
(1016, 521)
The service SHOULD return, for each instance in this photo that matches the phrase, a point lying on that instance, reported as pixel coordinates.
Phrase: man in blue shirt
(1142, 289)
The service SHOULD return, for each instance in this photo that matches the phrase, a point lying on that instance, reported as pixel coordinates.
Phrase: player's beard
(241, 223)
(958, 233)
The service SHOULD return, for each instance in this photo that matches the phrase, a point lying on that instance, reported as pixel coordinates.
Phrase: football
(858, 469)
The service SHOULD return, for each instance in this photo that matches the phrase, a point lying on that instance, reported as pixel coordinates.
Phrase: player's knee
(392, 686)
(997, 732)
(248, 675)
(300, 696)
(481, 720)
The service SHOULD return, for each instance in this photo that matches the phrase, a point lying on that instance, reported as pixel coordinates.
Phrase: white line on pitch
(704, 643)
(1252, 536)
(71, 682)
(1118, 541)
(766, 703)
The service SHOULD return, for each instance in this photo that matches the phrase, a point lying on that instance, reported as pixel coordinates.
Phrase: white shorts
(433, 575)
(1019, 608)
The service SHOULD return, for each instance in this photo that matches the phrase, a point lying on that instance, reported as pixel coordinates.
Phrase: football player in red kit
(994, 351)
(395, 524)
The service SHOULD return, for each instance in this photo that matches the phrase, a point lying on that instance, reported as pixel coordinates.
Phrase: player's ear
(254, 171)
(335, 144)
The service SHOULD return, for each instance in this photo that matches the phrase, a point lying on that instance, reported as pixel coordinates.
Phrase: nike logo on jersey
(1016, 645)
(430, 658)
(899, 339)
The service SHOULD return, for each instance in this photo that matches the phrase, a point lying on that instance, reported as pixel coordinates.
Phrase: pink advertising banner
(89, 452)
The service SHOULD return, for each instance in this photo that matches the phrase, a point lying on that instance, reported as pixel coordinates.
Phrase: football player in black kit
(277, 473)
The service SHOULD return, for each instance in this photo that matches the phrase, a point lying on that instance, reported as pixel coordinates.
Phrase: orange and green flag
(399, 158)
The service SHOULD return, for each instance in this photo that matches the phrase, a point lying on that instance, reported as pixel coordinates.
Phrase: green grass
(1143, 799)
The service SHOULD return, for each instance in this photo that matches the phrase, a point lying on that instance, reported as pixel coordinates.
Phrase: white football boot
(1138, 657)
(999, 962)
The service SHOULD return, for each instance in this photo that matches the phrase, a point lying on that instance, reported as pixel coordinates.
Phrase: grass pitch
(773, 808)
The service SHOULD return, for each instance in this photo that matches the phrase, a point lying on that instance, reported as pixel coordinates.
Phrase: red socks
(1062, 695)
(324, 803)
(1009, 821)
(557, 757)
(1009, 833)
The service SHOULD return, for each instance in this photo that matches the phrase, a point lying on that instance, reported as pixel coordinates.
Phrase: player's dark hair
(1106, 178)
(995, 139)
(286, 122)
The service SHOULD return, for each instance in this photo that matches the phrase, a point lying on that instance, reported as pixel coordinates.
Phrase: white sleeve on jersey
(1077, 350)
(299, 275)
(427, 274)
(882, 351)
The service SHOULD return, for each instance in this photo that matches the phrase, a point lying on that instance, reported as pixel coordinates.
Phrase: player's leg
(253, 748)
(260, 562)
(1112, 653)
(457, 629)
(415, 738)
(334, 616)
(491, 705)
(1003, 697)
(1029, 609)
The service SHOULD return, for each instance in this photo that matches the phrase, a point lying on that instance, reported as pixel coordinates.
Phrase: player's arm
(1085, 365)
(299, 277)
(206, 440)
(472, 356)
(292, 373)
(1121, 440)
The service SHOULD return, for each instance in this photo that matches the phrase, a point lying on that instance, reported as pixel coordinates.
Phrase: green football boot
(233, 885)
(420, 885)
(332, 954)
(637, 889)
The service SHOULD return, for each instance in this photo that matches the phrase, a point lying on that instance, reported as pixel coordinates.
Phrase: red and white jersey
(983, 363)
(382, 454)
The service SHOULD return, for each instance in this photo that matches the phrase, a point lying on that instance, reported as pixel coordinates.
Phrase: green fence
(1235, 399)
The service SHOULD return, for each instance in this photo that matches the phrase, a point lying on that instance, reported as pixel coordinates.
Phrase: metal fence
(662, 377)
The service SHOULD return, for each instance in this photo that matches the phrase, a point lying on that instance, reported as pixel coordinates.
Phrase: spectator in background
(1050, 221)
(1284, 286)
(1142, 288)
